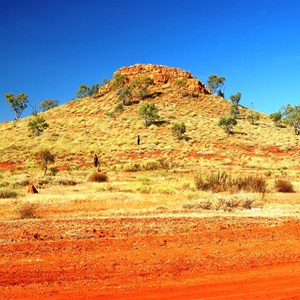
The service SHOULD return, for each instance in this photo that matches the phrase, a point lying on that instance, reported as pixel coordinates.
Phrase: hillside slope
(85, 126)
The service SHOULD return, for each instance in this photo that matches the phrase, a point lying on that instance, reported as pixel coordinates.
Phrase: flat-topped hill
(89, 125)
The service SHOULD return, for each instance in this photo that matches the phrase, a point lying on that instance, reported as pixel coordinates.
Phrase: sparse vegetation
(224, 203)
(79, 129)
(235, 99)
(180, 82)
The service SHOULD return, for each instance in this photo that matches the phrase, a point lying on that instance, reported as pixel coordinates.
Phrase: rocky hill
(89, 125)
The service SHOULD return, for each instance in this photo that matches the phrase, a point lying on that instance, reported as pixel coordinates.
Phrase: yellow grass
(153, 193)
(82, 127)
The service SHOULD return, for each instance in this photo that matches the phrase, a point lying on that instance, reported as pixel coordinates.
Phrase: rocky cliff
(162, 75)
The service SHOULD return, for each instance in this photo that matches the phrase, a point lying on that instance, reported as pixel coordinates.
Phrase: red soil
(150, 258)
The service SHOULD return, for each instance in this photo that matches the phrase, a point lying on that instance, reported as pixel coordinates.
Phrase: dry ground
(151, 258)
(118, 240)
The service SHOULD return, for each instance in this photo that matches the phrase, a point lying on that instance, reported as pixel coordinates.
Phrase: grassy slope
(79, 128)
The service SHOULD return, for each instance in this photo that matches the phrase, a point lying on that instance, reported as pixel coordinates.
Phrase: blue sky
(50, 47)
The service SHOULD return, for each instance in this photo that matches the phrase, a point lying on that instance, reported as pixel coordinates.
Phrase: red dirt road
(150, 258)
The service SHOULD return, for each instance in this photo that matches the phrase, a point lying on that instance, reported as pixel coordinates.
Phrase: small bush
(98, 177)
(284, 186)
(6, 193)
(250, 184)
(216, 182)
(27, 210)
(178, 130)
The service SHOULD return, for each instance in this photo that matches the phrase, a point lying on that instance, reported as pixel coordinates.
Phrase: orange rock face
(163, 75)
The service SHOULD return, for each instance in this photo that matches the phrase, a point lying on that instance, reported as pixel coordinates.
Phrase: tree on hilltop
(48, 104)
(235, 99)
(118, 82)
(85, 91)
(291, 116)
(276, 117)
(216, 83)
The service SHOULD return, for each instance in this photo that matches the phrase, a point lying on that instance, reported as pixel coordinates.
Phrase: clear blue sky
(50, 47)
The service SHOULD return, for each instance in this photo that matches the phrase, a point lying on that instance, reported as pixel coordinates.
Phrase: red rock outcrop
(164, 75)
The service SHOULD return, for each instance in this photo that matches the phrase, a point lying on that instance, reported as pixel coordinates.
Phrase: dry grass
(137, 194)
(98, 177)
(222, 182)
(156, 176)
(7, 193)
(27, 210)
(80, 128)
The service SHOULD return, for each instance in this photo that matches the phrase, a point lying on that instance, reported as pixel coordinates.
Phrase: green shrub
(98, 177)
(149, 111)
(37, 126)
(125, 95)
(118, 82)
(180, 82)
(284, 186)
(178, 130)
(227, 123)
